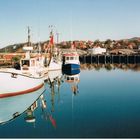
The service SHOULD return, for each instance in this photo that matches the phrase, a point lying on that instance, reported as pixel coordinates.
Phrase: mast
(51, 44)
(57, 34)
(28, 48)
(51, 38)
(29, 37)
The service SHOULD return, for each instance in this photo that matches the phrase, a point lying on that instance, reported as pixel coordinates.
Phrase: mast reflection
(54, 81)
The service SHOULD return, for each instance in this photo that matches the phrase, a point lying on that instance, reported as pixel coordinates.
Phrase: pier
(110, 59)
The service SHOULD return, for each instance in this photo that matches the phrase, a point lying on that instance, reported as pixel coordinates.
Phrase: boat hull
(71, 72)
(53, 66)
(70, 67)
(13, 84)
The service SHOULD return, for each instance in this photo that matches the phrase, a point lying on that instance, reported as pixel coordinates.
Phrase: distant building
(97, 50)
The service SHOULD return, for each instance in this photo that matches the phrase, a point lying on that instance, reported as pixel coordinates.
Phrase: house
(97, 50)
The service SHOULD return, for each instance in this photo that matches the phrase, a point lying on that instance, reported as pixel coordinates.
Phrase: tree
(108, 43)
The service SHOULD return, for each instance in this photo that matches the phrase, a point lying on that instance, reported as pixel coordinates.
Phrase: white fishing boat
(71, 59)
(12, 107)
(28, 79)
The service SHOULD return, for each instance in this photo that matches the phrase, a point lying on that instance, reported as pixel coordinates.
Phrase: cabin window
(33, 63)
(71, 58)
(25, 62)
(72, 78)
(68, 78)
(67, 58)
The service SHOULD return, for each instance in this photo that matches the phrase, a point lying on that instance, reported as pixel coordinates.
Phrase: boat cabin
(31, 65)
(71, 58)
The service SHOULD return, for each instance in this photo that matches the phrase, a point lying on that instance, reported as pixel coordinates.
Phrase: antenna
(57, 34)
(29, 37)
(51, 28)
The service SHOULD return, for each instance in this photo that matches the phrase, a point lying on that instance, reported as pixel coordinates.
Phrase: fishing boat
(71, 59)
(54, 59)
(28, 78)
(12, 107)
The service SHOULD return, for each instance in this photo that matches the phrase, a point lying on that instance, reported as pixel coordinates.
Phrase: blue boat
(71, 61)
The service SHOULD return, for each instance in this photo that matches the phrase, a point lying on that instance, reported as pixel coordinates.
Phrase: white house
(97, 50)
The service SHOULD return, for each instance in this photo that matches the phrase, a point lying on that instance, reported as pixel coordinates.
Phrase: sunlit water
(105, 104)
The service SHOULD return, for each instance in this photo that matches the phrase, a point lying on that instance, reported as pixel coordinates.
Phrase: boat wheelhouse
(33, 66)
(71, 61)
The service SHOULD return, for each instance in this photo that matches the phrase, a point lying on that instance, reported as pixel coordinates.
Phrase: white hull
(12, 84)
(13, 106)
(55, 65)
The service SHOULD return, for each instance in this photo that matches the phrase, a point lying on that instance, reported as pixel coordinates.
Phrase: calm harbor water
(102, 103)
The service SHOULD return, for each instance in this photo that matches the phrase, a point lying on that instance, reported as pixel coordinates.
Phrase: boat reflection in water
(73, 78)
(46, 114)
(109, 67)
(54, 81)
(12, 107)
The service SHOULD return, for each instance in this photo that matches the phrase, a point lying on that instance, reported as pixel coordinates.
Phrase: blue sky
(73, 19)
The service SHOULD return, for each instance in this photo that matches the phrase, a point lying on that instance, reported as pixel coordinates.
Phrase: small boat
(71, 60)
(12, 107)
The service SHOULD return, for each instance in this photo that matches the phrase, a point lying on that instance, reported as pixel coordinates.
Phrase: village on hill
(115, 47)
(109, 45)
